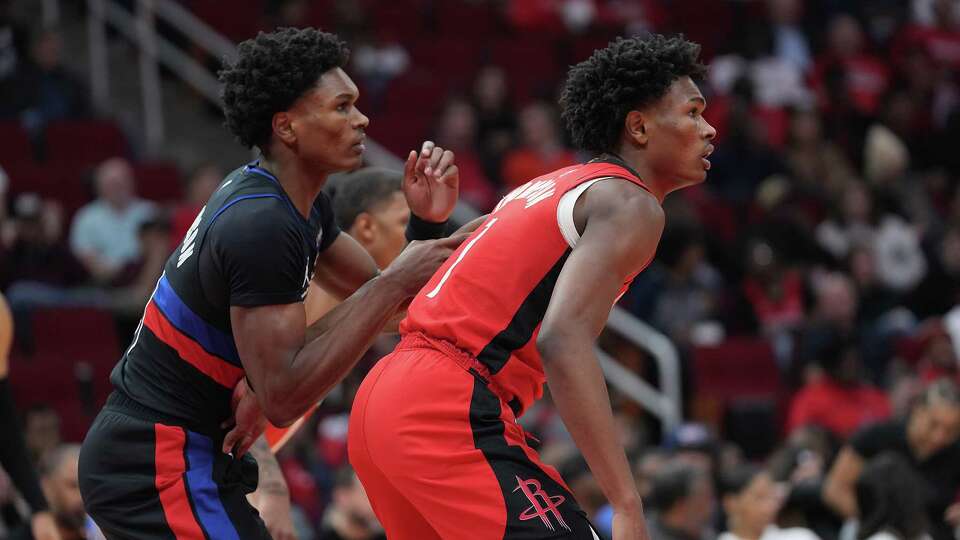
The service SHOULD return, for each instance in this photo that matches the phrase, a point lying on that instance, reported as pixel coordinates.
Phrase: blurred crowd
(811, 285)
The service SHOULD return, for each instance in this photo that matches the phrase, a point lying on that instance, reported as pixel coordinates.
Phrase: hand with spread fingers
(248, 421)
(431, 183)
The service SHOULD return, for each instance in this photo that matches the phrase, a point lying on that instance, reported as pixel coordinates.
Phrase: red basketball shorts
(441, 456)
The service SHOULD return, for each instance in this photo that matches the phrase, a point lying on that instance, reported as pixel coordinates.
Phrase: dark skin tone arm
(291, 367)
(621, 226)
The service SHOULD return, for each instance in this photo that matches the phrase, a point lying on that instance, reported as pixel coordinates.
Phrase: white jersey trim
(568, 201)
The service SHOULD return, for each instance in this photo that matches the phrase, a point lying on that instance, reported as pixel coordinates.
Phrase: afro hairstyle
(630, 73)
(270, 73)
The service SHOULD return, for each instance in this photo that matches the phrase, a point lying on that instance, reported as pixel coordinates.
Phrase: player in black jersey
(225, 328)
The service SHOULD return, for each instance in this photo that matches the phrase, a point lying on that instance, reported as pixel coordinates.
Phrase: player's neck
(302, 186)
(634, 159)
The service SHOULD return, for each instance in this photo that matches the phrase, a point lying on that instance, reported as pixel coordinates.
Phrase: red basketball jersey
(489, 298)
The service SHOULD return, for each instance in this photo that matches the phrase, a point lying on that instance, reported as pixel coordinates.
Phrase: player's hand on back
(248, 421)
(419, 261)
(431, 183)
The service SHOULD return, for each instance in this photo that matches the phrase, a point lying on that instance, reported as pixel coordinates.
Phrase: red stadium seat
(401, 130)
(737, 368)
(158, 181)
(67, 335)
(237, 20)
(63, 183)
(16, 148)
(84, 143)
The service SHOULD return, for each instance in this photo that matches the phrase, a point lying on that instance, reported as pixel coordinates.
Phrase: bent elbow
(279, 412)
(552, 344)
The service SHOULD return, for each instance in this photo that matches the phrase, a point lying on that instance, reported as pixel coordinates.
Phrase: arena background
(809, 288)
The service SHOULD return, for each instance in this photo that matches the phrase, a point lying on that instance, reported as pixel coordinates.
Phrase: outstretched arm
(621, 228)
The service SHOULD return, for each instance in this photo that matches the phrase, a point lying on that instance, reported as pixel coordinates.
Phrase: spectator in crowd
(47, 91)
(457, 131)
(862, 76)
(37, 252)
(928, 440)
(41, 429)
(818, 167)
(350, 517)
(496, 118)
(201, 185)
(104, 234)
(751, 500)
(58, 473)
(839, 399)
(682, 503)
(542, 149)
(890, 499)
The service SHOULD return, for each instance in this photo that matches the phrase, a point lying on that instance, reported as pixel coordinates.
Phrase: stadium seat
(67, 335)
(16, 148)
(158, 181)
(84, 143)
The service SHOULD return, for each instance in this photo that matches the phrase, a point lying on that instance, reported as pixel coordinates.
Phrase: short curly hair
(628, 74)
(270, 72)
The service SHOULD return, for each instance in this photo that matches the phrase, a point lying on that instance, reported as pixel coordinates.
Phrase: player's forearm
(335, 343)
(580, 393)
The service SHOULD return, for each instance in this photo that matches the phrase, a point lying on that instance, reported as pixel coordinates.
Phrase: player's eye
(343, 107)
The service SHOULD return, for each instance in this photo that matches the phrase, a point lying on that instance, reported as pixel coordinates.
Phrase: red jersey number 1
(446, 275)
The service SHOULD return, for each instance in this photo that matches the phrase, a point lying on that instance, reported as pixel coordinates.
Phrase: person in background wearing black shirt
(13, 451)
(929, 441)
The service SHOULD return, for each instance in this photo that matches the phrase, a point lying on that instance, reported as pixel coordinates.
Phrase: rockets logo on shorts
(541, 505)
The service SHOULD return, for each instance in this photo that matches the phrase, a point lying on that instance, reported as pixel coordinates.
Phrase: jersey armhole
(568, 201)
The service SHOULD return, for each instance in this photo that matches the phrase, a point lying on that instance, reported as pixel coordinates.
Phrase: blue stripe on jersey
(206, 498)
(232, 202)
(190, 324)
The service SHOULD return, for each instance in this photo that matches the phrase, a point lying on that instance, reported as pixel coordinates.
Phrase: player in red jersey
(433, 432)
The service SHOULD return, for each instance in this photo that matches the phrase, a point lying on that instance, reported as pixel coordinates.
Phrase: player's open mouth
(359, 147)
(706, 154)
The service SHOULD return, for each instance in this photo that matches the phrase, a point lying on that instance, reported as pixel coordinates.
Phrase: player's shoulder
(618, 195)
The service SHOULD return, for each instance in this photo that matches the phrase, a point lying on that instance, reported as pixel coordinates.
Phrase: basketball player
(433, 433)
(226, 320)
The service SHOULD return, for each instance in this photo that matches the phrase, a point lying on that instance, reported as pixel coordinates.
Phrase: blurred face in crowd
(324, 126)
(784, 11)
(382, 230)
(42, 431)
(805, 128)
(354, 502)
(755, 507)
(46, 50)
(115, 183)
(457, 126)
(845, 36)
(675, 135)
(203, 183)
(491, 87)
(857, 206)
(539, 126)
(62, 488)
(933, 426)
(699, 505)
(837, 299)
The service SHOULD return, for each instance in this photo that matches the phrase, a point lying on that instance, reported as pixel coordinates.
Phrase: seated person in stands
(105, 232)
(928, 440)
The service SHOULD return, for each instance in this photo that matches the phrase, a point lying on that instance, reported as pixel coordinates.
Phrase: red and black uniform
(151, 465)
(433, 432)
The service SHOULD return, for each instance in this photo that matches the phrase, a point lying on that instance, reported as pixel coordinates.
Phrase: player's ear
(363, 228)
(635, 127)
(283, 128)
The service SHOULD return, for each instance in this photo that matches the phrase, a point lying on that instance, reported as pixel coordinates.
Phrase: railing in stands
(140, 29)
